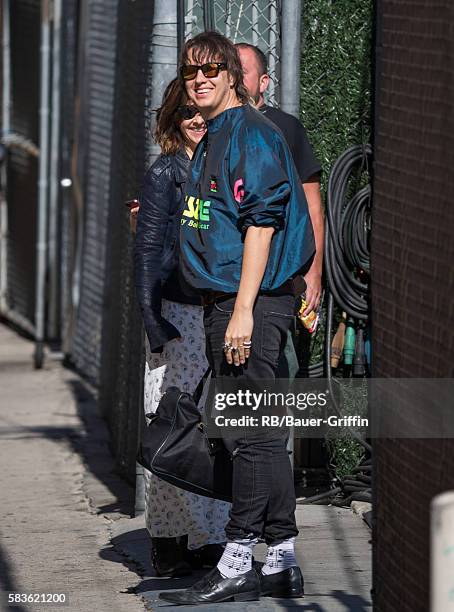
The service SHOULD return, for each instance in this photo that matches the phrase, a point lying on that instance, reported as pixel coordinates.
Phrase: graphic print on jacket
(196, 213)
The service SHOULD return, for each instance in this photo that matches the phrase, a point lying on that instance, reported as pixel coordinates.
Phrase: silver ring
(247, 344)
(226, 346)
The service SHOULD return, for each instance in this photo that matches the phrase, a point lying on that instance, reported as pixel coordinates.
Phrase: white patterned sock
(280, 557)
(236, 558)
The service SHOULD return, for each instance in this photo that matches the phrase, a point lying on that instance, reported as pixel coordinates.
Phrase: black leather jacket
(156, 246)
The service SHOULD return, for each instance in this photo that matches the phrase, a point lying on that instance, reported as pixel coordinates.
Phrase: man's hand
(313, 281)
(239, 332)
(313, 277)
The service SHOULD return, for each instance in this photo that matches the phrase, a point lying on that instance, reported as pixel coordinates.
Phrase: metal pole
(189, 20)
(208, 15)
(163, 69)
(290, 84)
(163, 55)
(52, 325)
(442, 553)
(228, 18)
(6, 114)
(238, 21)
(272, 54)
(255, 24)
(6, 61)
(42, 185)
(290, 56)
(180, 27)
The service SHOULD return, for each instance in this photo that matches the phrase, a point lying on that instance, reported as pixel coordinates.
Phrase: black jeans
(263, 491)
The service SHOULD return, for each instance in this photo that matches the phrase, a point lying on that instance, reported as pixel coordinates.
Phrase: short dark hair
(214, 46)
(259, 56)
(167, 133)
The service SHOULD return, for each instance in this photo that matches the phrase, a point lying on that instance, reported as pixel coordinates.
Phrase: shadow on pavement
(94, 448)
(7, 584)
(335, 601)
(353, 603)
(90, 441)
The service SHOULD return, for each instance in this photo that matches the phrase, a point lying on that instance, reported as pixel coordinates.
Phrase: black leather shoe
(167, 559)
(206, 556)
(288, 583)
(213, 588)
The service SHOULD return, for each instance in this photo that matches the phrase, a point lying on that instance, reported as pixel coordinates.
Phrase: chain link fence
(257, 23)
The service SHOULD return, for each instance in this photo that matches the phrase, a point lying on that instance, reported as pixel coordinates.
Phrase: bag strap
(199, 390)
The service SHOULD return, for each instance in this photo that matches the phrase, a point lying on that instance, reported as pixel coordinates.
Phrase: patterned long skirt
(170, 511)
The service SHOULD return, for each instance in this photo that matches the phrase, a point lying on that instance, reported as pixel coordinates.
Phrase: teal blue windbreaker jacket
(242, 174)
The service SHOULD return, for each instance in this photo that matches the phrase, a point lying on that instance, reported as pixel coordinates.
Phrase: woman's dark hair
(212, 46)
(167, 133)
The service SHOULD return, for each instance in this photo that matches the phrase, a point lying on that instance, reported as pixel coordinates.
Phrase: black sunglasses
(210, 70)
(187, 112)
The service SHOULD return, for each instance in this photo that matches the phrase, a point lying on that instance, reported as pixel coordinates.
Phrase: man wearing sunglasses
(245, 234)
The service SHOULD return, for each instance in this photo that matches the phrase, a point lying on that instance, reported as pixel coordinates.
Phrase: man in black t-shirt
(256, 80)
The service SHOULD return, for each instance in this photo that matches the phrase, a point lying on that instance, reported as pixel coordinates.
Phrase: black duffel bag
(175, 447)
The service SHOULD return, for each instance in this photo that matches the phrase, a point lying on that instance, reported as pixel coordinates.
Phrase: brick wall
(413, 273)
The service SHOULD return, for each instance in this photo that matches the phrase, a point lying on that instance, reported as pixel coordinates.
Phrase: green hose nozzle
(349, 345)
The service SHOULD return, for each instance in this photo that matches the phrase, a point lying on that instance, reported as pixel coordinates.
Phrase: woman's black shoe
(213, 588)
(288, 583)
(167, 558)
(206, 556)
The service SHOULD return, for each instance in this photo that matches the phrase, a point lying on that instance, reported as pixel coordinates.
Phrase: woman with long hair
(186, 529)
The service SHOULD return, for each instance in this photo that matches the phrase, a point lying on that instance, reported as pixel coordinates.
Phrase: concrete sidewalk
(59, 493)
(333, 549)
(65, 515)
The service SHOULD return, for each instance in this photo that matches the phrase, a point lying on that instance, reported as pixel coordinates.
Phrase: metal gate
(20, 133)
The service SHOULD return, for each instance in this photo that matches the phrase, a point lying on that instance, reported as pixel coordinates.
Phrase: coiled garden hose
(346, 251)
(347, 235)
(347, 266)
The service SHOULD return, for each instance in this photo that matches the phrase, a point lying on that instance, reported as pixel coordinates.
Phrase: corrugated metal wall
(122, 340)
(102, 325)
(413, 277)
(96, 97)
